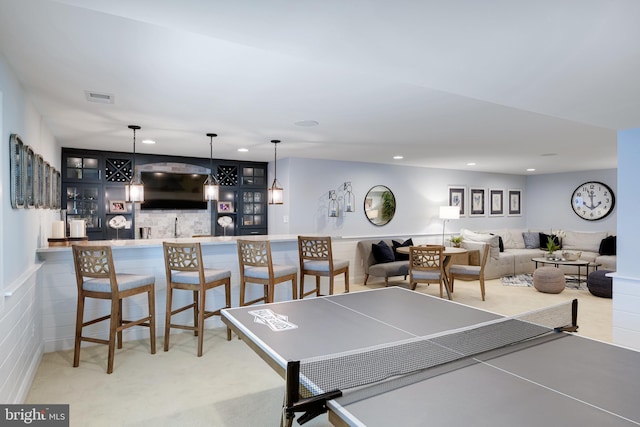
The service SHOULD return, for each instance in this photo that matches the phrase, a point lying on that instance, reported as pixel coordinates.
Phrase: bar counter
(57, 283)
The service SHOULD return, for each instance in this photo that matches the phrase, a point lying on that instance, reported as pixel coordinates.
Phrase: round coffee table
(577, 263)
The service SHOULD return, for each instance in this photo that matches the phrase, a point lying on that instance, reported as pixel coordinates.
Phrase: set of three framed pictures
(34, 183)
(483, 202)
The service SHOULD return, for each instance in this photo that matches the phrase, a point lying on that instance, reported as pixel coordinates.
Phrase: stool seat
(185, 271)
(96, 277)
(549, 280)
(599, 284)
(316, 259)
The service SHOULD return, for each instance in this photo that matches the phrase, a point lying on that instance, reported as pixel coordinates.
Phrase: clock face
(592, 200)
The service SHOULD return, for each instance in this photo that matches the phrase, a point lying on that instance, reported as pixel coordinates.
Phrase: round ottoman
(599, 284)
(549, 280)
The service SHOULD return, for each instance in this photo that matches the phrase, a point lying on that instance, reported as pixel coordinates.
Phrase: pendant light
(275, 191)
(134, 190)
(211, 186)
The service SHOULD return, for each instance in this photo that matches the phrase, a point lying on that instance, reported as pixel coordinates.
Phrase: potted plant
(551, 246)
(456, 241)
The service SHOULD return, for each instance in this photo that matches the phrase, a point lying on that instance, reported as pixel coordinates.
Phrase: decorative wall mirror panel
(379, 205)
(38, 181)
(30, 166)
(46, 179)
(18, 173)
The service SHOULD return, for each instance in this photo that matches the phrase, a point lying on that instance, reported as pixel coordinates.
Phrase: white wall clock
(593, 200)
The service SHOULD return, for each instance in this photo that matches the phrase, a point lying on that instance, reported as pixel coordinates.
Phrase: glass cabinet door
(83, 202)
(253, 209)
(82, 168)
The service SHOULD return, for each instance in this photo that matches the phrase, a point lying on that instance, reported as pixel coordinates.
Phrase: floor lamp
(448, 212)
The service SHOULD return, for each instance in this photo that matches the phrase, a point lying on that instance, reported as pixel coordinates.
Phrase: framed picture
(117, 206)
(456, 198)
(515, 202)
(225, 207)
(496, 198)
(477, 202)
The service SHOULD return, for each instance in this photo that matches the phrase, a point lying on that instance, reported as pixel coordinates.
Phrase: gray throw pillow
(531, 240)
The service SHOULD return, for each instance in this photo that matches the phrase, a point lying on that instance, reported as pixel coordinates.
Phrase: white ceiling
(507, 84)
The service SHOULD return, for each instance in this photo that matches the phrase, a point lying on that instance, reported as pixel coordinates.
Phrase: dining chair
(426, 266)
(316, 259)
(185, 271)
(256, 266)
(96, 277)
(471, 272)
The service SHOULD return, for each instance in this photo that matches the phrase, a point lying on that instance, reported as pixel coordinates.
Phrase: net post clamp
(312, 406)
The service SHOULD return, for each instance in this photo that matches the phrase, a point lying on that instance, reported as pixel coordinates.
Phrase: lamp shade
(449, 212)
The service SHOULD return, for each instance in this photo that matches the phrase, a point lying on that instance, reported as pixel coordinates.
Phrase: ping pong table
(557, 379)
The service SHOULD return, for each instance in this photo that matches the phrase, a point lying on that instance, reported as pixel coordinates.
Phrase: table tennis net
(369, 365)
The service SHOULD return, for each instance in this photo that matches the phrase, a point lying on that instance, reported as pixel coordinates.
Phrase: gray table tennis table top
(561, 380)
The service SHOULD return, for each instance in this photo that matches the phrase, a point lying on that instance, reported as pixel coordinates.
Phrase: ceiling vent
(104, 98)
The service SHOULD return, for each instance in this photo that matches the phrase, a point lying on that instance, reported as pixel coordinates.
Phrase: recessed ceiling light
(398, 157)
(549, 154)
(471, 164)
(243, 150)
(307, 123)
(104, 98)
(148, 141)
(531, 169)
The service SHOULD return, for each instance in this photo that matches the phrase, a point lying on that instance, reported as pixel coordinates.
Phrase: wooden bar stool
(185, 270)
(96, 277)
(256, 266)
(316, 259)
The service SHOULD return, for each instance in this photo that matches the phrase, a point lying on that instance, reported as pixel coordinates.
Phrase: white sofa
(516, 259)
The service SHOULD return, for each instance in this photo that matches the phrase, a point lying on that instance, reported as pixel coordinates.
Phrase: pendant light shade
(134, 190)
(276, 193)
(211, 186)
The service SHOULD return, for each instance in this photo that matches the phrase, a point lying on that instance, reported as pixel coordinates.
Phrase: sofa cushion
(491, 240)
(531, 240)
(388, 269)
(582, 241)
(608, 246)
(512, 239)
(382, 252)
(398, 256)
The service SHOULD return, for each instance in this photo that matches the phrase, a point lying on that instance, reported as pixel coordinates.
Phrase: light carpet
(572, 282)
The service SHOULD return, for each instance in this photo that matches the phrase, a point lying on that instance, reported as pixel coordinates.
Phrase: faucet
(175, 228)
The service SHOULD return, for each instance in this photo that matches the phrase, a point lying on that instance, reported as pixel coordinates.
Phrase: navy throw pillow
(382, 252)
(396, 245)
(608, 246)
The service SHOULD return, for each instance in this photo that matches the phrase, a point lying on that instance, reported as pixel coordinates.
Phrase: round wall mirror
(379, 205)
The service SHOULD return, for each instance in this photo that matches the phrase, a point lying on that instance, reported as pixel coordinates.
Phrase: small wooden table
(448, 252)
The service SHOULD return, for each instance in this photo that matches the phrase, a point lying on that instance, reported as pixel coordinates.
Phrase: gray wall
(419, 192)
(548, 201)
